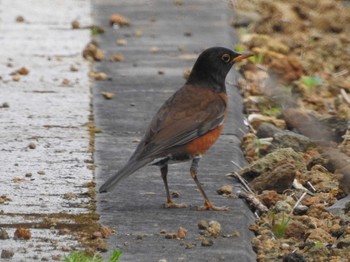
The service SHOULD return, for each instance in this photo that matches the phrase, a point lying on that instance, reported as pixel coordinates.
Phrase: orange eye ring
(226, 58)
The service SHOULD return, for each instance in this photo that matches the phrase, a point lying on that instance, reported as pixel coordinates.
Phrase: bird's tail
(131, 167)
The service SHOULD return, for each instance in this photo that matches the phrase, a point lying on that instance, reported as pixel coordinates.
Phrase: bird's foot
(171, 204)
(209, 206)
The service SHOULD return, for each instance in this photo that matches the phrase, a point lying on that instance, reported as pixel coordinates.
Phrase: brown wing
(187, 115)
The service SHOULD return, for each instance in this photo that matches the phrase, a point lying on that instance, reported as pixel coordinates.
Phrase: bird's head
(213, 65)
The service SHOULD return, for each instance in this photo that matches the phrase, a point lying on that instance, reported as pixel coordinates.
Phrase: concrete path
(44, 140)
(162, 41)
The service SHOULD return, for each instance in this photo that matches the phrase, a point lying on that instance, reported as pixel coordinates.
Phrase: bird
(187, 124)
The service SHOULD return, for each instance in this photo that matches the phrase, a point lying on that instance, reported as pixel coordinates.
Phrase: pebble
(4, 234)
(207, 242)
(6, 253)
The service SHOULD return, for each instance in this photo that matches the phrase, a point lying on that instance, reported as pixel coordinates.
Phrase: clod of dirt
(70, 196)
(272, 160)
(118, 20)
(203, 224)
(100, 76)
(73, 68)
(205, 242)
(107, 95)
(106, 231)
(5, 105)
(154, 49)
(295, 229)
(270, 198)
(225, 190)
(65, 82)
(121, 42)
(214, 228)
(288, 139)
(22, 233)
(75, 24)
(56, 257)
(21, 71)
(32, 146)
(7, 253)
(19, 19)
(138, 33)
(181, 233)
(16, 78)
(92, 53)
(4, 199)
(3, 234)
(117, 58)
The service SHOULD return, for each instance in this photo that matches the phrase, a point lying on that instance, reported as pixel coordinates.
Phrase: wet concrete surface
(44, 140)
(141, 84)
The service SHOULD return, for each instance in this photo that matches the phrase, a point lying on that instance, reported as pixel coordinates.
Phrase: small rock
(56, 257)
(181, 233)
(41, 172)
(75, 24)
(5, 105)
(32, 146)
(28, 175)
(93, 53)
(225, 190)
(96, 234)
(64, 231)
(121, 42)
(65, 82)
(140, 237)
(19, 19)
(214, 228)
(295, 229)
(20, 71)
(70, 196)
(117, 58)
(162, 260)
(154, 49)
(175, 194)
(3, 234)
(138, 33)
(207, 242)
(16, 78)
(99, 76)
(278, 179)
(283, 206)
(270, 198)
(7, 253)
(107, 95)
(118, 20)
(293, 257)
(22, 233)
(66, 248)
(300, 210)
(106, 231)
(170, 235)
(267, 130)
(288, 139)
(203, 224)
(73, 68)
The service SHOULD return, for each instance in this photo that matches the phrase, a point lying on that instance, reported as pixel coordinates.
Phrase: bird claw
(171, 204)
(209, 206)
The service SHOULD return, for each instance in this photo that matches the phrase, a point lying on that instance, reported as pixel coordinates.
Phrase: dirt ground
(297, 100)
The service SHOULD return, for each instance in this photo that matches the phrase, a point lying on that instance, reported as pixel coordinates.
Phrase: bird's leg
(208, 205)
(170, 203)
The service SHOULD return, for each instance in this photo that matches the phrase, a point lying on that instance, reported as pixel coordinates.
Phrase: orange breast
(200, 145)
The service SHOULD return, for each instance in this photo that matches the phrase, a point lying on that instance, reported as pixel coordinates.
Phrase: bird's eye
(226, 58)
